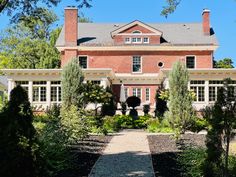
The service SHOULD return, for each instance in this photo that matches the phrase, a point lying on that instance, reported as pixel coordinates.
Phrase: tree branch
(3, 4)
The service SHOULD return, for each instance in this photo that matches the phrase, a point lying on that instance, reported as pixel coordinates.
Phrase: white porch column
(207, 92)
(48, 93)
(30, 91)
(104, 82)
(10, 87)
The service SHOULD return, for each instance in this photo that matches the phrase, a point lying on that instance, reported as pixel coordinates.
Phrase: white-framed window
(147, 93)
(39, 91)
(137, 64)
(137, 40)
(126, 93)
(127, 40)
(83, 62)
(24, 85)
(198, 87)
(137, 32)
(56, 91)
(146, 40)
(96, 82)
(190, 62)
(137, 92)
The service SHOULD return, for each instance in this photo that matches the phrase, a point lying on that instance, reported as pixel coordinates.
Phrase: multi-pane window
(147, 94)
(96, 82)
(146, 40)
(126, 93)
(55, 91)
(127, 40)
(190, 61)
(198, 87)
(83, 62)
(137, 92)
(137, 64)
(39, 91)
(136, 40)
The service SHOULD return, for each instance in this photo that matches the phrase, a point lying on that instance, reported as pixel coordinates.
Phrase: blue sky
(223, 16)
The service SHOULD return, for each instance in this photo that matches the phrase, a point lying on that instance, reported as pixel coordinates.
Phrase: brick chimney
(71, 26)
(206, 21)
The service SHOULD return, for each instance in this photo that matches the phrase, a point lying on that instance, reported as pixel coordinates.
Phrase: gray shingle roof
(173, 33)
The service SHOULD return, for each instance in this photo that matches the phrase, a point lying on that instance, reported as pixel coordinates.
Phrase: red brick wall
(67, 56)
(137, 27)
(153, 88)
(121, 62)
(71, 26)
(206, 22)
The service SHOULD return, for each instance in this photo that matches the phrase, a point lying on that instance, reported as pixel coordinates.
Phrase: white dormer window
(136, 40)
(146, 40)
(127, 40)
(136, 32)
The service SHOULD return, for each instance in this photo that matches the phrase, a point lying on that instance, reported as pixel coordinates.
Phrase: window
(137, 92)
(96, 82)
(147, 94)
(83, 62)
(126, 93)
(127, 40)
(136, 40)
(39, 91)
(137, 64)
(55, 91)
(198, 87)
(146, 40)
(136, 32)
(190, 61)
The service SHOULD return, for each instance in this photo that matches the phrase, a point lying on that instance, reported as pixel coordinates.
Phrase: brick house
(137, 54)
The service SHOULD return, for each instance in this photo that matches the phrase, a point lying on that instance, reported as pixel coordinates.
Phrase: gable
(136, 26)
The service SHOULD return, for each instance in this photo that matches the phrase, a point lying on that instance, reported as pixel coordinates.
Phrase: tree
(222, 120)
(72, 84)
(109, 108)
(31, 44)
(180, 112)
(161, 103)
(224, 63)
(21, 8)
(170, 7)
(17, 137)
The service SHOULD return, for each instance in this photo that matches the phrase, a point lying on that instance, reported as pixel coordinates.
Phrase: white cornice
(143, 48)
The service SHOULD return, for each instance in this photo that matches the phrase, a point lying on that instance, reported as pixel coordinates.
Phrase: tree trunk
(3, 4)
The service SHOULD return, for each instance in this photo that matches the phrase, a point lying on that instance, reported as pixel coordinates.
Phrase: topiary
(133, 101)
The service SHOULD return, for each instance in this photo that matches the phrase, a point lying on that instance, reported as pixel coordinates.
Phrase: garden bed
(164, 152)
(86, 153)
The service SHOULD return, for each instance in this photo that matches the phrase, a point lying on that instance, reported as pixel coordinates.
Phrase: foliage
(74, 124)
(224, 63)
(26, 46)
(111, 124)
(3, 101)
(18, 143)
(157, 126)
(161, 104)
(222, 120)
(199, 124)
(109, 107)
(180, 112)
(72, 84)
(133, 101)
(146, 109)
(170, 7)
(123, 108)
(191, 161)
(18, 9)
(141, 122)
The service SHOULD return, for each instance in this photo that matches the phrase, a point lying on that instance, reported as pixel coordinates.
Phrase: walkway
(127, 154)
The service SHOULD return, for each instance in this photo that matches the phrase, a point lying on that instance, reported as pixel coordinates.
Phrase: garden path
(127, 154)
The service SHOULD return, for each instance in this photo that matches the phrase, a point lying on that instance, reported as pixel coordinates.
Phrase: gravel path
(127, 154)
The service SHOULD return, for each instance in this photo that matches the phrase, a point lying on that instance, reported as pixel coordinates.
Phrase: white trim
(128, 42)
(139, 32)
(141, 64)
(148, 40)
(136, 92)
(137, 42)
(87, 60)
(195, 61)
(149, 92)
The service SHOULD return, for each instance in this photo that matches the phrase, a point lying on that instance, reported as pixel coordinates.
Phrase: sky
(223, 16)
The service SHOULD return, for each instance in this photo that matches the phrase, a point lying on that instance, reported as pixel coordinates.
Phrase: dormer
(136, 33)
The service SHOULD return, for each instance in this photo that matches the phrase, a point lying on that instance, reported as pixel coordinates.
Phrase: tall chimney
(71, 26)
(206, 21)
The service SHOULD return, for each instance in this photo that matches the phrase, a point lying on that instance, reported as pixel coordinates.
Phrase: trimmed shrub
(133, 101)
(141, 122)
(146, 109)
(157, 126)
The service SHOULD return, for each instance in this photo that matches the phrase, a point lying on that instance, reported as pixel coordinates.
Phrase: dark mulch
(86, 153)
(165, 151)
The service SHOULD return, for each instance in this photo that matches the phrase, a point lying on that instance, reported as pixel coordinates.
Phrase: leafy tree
(222, 120)
(161, 104)
(30, 44)
(109, 108)
(18, 9)
(170, 7)
(224, 63)
(180, 112)
(17, 137)
(72, 84)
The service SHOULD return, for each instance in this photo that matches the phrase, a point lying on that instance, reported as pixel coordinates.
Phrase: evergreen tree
(180, 112)
(161, 104)
(72, 84)
(17, 137)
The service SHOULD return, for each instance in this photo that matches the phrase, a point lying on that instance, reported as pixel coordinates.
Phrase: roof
(3, 81)
(99, 34)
